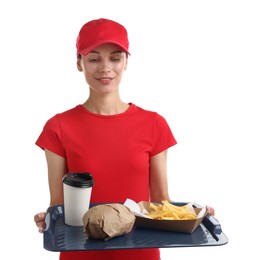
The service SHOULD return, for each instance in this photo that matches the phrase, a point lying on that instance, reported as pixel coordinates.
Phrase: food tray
(60, 237)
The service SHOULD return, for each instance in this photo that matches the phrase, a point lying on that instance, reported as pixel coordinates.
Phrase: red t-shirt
(116, 150)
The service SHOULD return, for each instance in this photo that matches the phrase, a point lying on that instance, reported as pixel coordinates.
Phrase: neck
(105, 106)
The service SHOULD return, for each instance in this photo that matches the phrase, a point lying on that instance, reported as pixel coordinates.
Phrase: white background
(198, 63)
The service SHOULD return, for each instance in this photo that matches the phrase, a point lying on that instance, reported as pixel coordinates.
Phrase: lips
(104, 80)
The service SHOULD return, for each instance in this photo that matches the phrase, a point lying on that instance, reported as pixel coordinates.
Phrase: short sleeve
(51, 137)
(163, 136)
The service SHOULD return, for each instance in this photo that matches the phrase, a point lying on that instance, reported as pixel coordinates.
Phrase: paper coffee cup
(77, 189)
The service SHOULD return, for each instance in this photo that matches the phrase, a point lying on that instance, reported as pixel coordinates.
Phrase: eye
(93, 59)
(116, 58)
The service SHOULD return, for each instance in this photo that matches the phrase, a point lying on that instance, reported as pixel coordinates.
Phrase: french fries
(168, 211)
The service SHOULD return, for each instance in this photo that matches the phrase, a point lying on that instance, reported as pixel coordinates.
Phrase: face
(103, 68)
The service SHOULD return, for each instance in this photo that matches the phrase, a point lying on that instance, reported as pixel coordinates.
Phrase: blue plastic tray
(60, 237)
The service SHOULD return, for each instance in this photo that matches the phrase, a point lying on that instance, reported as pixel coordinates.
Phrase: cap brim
(87, 50)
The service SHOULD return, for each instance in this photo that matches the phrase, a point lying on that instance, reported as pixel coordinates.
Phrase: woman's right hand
(39, 219)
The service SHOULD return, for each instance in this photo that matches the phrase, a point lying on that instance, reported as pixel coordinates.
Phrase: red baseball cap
(97, 32)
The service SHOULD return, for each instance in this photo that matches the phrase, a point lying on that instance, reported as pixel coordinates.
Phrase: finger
(210, 210)
(39, 217)
(40, 229)
(41, 226)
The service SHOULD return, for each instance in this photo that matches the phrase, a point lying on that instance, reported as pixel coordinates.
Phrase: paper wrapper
(108, 220)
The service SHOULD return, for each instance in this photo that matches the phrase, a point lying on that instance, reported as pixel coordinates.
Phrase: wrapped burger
(108, 220)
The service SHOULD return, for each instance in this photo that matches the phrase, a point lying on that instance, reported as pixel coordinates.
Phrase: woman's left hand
(210, 210)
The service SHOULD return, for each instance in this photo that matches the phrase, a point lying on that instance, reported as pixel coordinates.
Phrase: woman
(121, 144)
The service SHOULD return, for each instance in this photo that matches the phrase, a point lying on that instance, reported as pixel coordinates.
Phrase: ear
(126, 64)
(79, 65)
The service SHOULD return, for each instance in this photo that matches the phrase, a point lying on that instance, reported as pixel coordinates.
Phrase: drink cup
(77, 189)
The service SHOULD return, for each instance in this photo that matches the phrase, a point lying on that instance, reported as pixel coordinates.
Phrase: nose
(104, 70)
(104, 67)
